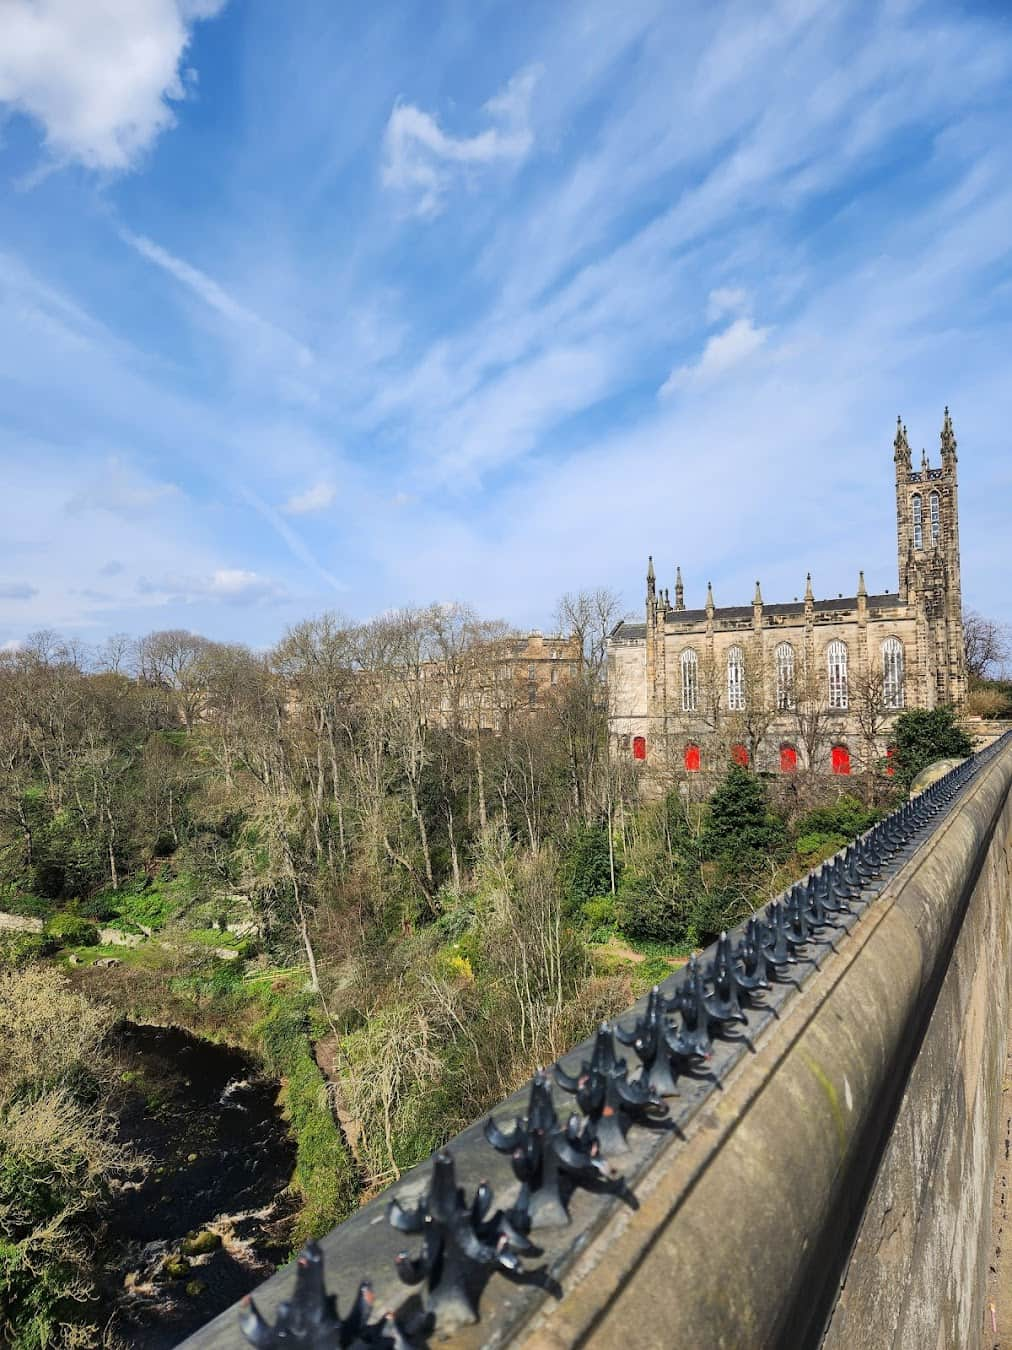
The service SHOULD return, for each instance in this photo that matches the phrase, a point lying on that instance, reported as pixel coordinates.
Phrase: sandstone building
(812, 683)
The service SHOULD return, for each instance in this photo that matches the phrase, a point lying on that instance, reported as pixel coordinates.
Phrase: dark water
(220, 1161)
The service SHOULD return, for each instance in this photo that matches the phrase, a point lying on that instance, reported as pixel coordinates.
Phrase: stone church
(812, 683)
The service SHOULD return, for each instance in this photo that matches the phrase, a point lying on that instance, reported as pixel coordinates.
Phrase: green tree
(741, 822)
(586, 868)
(923, 736)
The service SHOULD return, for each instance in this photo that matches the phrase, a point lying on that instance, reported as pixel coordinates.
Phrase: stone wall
(838, 1191)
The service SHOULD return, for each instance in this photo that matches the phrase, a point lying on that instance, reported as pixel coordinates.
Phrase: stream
(220, 1161)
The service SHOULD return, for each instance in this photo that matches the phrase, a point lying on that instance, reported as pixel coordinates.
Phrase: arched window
(783, 660)
(735, 679)
(690, 680)
(788, 759)
(639, 747)
(740, 755)
(934, 516)
(692, 758)
(892, 673)
(841, 759)
(918, 524)
(836, 658)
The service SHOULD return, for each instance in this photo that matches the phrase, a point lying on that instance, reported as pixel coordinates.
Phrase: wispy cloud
(721, 354)
(422, 160)
(215, 297)
(315, 498)
(230, 585)
(17, 590)
(98, 78)
(120, 490)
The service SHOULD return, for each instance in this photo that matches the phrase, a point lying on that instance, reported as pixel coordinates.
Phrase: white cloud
(722, 351)
(217, 298)
(17, 590)
(122, 491)
(315, 498)
(725, 300)
(422, 160)
(97, 74)
(232, 585)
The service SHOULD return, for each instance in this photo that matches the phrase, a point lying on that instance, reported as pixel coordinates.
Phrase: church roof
(632, 632)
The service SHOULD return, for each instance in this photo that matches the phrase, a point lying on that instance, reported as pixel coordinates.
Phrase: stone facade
(812, 683)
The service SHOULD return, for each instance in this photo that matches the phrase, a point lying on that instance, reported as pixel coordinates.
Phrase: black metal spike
(310, 1319)
(646, 1039)
(610, 1102)
(461, 1247)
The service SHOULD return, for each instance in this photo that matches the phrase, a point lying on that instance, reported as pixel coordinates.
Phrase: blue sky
(332, 306)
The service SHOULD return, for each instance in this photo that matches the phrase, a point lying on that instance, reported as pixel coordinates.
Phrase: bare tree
(987, 645)
(810, 712)
(590, 616)
(173, 660)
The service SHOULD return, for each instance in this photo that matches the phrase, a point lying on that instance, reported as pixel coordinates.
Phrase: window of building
(740, 755)
(532, 695)
(692, 758)
(918, 524)
(788, 759)
(892, 673)
(836, 659)
(840, 759)
(532, 671)
(639, 747)
(735, 679)
(783, 659)
(690, 680)
(935, 517)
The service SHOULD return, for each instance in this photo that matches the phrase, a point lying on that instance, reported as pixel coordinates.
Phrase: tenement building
(813, 683)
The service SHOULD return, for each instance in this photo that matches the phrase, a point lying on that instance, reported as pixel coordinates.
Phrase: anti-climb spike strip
(647, 1039)
(550, 1162)
(310, 1318)
(724, 1004)
(462, 1245)
(608, 1099)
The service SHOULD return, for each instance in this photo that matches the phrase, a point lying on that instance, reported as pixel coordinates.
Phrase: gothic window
(740, 755)
(836, 658)
(918, 524)
(840, 759)
(788, 759)
(735, 679)
(690, 680)
(783, 659)
(692, 758)
(892, 673)
(639, 747)
(934, 515)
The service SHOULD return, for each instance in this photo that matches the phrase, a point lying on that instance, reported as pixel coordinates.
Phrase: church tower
(927, 544)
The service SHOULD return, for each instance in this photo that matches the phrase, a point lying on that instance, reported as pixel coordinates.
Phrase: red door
(740, 755)
(788, 759)
(639, 747)
(841, 759)
(692, 758)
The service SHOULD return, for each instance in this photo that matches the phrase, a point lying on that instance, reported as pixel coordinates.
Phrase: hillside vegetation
(402, 914)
